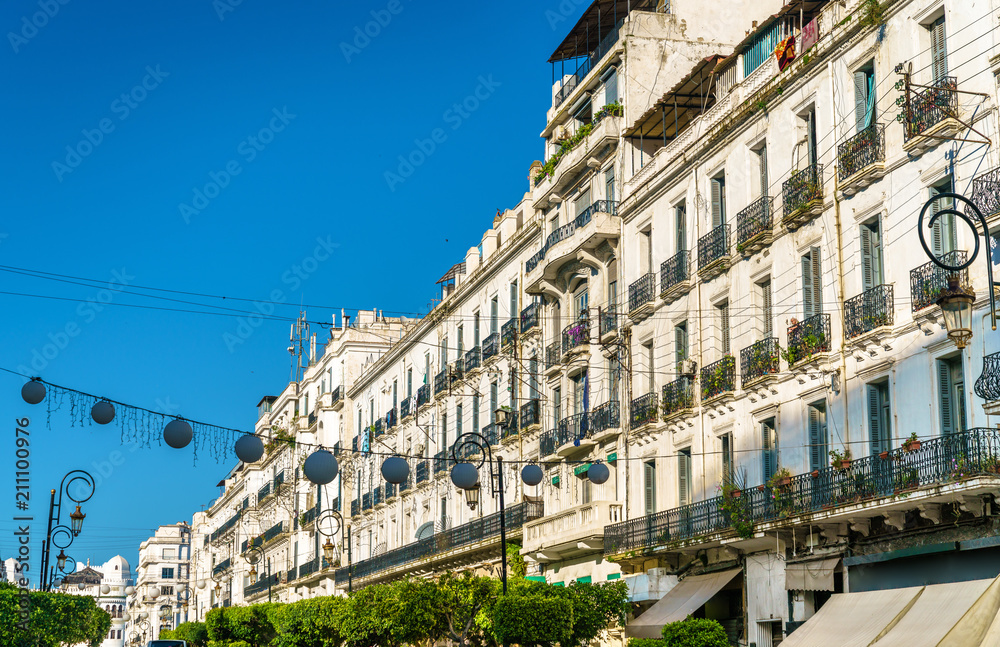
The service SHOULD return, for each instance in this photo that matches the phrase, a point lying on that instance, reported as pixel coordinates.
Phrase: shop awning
(853, 618)
(680, 602)
(811, 576)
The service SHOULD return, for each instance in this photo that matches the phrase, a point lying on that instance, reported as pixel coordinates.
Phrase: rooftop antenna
(298, 341)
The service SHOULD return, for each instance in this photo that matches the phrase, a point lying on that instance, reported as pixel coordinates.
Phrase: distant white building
(161, 583)
(106, 584)
(8, 570)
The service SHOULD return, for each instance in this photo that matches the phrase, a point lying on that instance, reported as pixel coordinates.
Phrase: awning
(811, 576)
(853, 618)
(680, 602)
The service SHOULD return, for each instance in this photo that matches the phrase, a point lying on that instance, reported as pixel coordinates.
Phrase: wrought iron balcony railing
(606, 416)
(644, 410)
(377, 495)
(335, 504)
(718, 378)
(567, 230)
(642, 292)
(423, 471)
(262, 584)
(366, 501)
(928, 280)
(531, 413)
(391, 419)
(378, 427)
(610, 319)
(930, 107)
(441, 382)
(547, 443)
(801, 189)
(336, 396)
(511, 428)
(869, 310)
(222, 566)
(713, 246)
(406, 407)
(508, 332)
(441, 461)
(308, 567)
(808, 337)
(530, 316)
(573, 428)
(354, 444)
(986, 192)
(491, 433)
(987, 386)
(264, 492)
(355, 508)
(309, 516)
(423, 394)
(678, 396)
(674, 270)
(488, 527)
(473, 359)
(576, 334)
(407, 484)
(948, 459)
(759, 359)
(753, 221)
(491, 346)
(861, 151)
(553, 354)
(390, 491)
(279, 480)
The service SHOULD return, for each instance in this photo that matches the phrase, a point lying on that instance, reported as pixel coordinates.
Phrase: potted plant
(781, 478)
(840, 460)
(737, 509)
(884, 455)
(912, 443)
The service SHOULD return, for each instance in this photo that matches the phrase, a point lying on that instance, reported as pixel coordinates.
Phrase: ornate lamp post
(58, 534)
(253, 556)
(329, 549)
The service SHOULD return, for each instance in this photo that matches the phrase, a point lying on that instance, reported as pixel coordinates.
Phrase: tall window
(809, 124)
(475, 329)
(766, 311)
(649, 486)
(879, 417)
(494, 316)
(864, 96)
(943, 238)
(458, 420)
(533, 378)
(768, 448)
(939, 49)
(647, 351)
(726, 449)
(812, 284)
(681, 341)
(444, 430)
(951, 395)
(444, 352)
(609, 184)
(582, 203)
(580, 393)
(493, 402)
(427, 368)
(581, 300)
(556, 406)
(461, 341)
(614, 375)
(684, 476)
(718, 200)
(723, 312)
(513, 298)
(761, 154)
(819, 438)
(610, 80)
(475, 413)
(871, 254)
(680, 215)
(646, 250)
(409, 383)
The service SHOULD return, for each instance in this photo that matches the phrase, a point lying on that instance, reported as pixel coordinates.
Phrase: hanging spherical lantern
(154, 592)
(532, 474)
(177, 433)
(249, 449)
(33, 392)
(129, 590)
(320, 467)
(105, 589)
(102, 412)
(201, 584)
(395, 469)
(465, 476)
(598, 473)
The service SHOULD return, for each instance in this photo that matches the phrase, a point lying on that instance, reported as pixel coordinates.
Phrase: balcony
(308, 567)
(354, 444)
(718, 379)
(570, 533)
(565, 164)
(609, 320)
(928, 280)
(508, 332)
(588, 63)
(263, 583)
(441, 462)
(553, 356)
(808, 338)
(576, 335)
(378, 427)
(312, 420)
(678, 397)
(309, 516)
(931, 116)
(279, 480)
(713, 253)
(870, 486)
(605, 420)
(407, 407)
(423, 395)
(423, 471)
(753, 227)
(986, 192)
(586, 232)
(802, 195)
(391, 419)
(473, 360)
(491, 433)
(366, 501)
(424, 550)
(644, 411)
(337, 398)
(530, 318)
(869, 311)
(441, 382)
(759, 360)
(491, 347)
(222, 566)
(641, 297)
(675, 275)
(389, 492)
(531, 412)
(547, 443)
(263, 493)
(572, 431)
(377, 496)
(355, 508)
(861, 159)
(511, 429)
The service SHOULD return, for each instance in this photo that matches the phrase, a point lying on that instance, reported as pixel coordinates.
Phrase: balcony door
(582, 203)
(581, 299)
(872, 273)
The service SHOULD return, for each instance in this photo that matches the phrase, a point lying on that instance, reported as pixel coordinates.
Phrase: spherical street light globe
(154, 592)
(129, 590)
(33, 392)
(320, 467)
(105, 589)
(465, 476)
(598, 473)
(102, 412)
(395, 469)
(249, 449)
(177, 433)
(532, 474)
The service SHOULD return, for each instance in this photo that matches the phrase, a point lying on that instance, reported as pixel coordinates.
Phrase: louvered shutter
(650, 483)
(874, 419)
(860, 99)
(680, 343)
(807, 288)
(816, 445)
(681, 228)
(724, 323)
(716, 203)
(769, 465)
(939, 49)
(765, 289)
(763, 171)
(683, 468)
(817, 280)
(945, 398)
(866, 258)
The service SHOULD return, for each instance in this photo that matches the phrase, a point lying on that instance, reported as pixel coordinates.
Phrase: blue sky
(213, 147)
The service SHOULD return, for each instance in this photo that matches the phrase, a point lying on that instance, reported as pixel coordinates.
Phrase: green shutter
(867, 275)
(718, 216)
(815, 440)
(762, 154)
(817, 279)
(860, 99)
(682, 478)
(767, 451)
(939, 49)
(559, 584)
(875, 419)
(765, 289)
(555, 480)
(681, 212)
(945, 398)
(649, 474)
(807, 288)
(724, 324)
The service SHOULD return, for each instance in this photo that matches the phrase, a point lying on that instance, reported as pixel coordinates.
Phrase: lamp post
(58, 532)
(328, 546)
(254, 555)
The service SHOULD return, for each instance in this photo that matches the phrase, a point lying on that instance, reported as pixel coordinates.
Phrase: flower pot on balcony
(761, 487)
(911, 445)
(884, 456)
(784, 481)
(815, 474)
(842, 464)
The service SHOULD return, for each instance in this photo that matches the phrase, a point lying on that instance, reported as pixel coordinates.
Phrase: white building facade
(161, 596)
(107, 584)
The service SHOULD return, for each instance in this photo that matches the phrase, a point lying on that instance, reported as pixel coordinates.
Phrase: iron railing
(605, 416)
(759, 359)
(309, 516)
(508, 332)
(593, 58)
(567, 230)
(391, 419)
(222, 566)
(390, 491)
(986, 192)
(610, 319)
(573, 428)
(674, 270)
(423, 394)
(355, 508)
(407, 483)
(553, 354)
(264, 492)
(366, 501)
(511, 428)
(337, 395)
(576, 334)
(644, 410)
(530, 413)
(947, 459)
(423, 471)
(491, 346)
(753, 221)
(441, 461)
(378, 427)
(308, 567)
(406, 407)
(713, 246)
(263, 583)
(473, 359)
(642, 292)
(335, 504)
(547, 443)
(988, 385)
(928, 280)
(861, 151)
(313, 419)
(491, 433)
(279, 480)
(530, 316)
(473, 532)
(869, 310)
(718, 378)
(930, 107)
(808, 337)
(441, 382)
(801, 188)
(377, 495)
(678, 396)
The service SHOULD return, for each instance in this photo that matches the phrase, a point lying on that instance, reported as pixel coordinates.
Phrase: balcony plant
(736, 506)
(807, 347)
(720, 380)
(614, 109)
(279, 437)
(840, 460)
(912, 443)
(780, 479)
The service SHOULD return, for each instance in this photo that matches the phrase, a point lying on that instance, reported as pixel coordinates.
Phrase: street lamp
(956, 306)
(76, 521)
(61, 560)
(329, 548)
(254, 555)
(77, 483)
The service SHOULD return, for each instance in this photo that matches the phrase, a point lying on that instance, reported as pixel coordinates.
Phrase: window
(169, 553)
(684, 476)
(580, 393)
(444, 430)
(610, 81)
(586, 494)
(723, 313)
(395, 393)
(681, 341)
(609, 183)
(556, 406)
(766, 311)
(581, 299)
(167, 573)
(513, 298)
(646, 250)
(726, 449)
(427, 368)
(444, 352)
(409, 382)
(718, 200)
(533, 378)
(647, 351)
(494, 316)
(475, 329)
(951, 395)
(939, 49)
(649, 486)
(582, 203)
(879, 417)
(761, 155)
(614, 375)
(475, 413)
(943, 238)
(871, 254)
(812, 284)
(458, 420)
(864, 96)
(493, 402)
(444, 513)
(768, 449)
(461, 341)
(819, 438)
(166, 590)
(680, 216)
(809, 125)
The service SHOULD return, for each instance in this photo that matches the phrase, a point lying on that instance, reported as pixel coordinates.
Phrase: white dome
(117, 568)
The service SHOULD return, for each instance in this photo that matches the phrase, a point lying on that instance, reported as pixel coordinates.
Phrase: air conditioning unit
(687, 367)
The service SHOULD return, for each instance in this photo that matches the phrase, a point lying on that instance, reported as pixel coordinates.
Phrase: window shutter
(866, 258)
(681, 228)
(763, 171)
(765, 289)
(683, 467)
(724, 323)
(807, 288)
(945, 398)
(716, 203)
(767, 451)
(939, 49)
(875, 419)
(815, 440)
(860, 99)
(817, 280)
(650, 483)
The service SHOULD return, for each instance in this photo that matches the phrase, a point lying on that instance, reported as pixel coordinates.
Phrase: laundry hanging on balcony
(785, 52)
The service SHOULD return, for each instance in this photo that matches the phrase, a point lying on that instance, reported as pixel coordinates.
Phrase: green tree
(533, 620)
(369, 615)
(466, 607)
(695, 632)
(314, 622)
(195, 633)
(53, 619)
